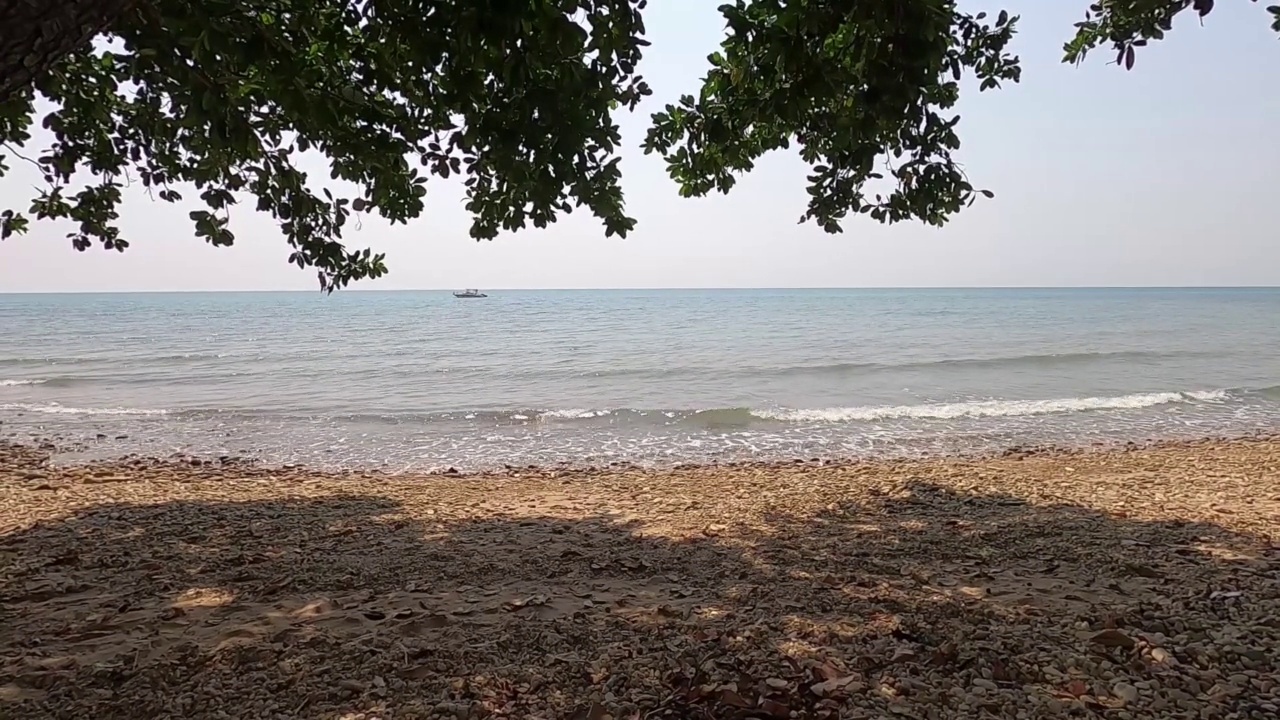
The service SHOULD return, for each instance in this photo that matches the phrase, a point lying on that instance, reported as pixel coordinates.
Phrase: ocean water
(419, 380)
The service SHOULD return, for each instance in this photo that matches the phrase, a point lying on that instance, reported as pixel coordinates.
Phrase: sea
(409, 381)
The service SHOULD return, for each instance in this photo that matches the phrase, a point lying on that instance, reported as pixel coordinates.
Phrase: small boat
(469, 294)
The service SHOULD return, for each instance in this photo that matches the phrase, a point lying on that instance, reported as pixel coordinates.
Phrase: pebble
(1125, 692)
(985, 684)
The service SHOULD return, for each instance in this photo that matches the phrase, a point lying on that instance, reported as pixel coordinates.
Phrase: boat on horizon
(470, 293)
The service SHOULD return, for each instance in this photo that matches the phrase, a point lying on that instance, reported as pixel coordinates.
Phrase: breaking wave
(990, 408)
(709, 418)
(55, 409)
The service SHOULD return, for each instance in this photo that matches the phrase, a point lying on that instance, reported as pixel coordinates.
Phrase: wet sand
(1120, 584)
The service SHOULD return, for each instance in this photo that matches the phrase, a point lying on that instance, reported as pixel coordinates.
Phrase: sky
(1165, 175)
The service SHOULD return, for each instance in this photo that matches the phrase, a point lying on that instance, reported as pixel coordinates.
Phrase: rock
(457, 710)
(830, 687)
(1126, 692)
(773, 708)
(354, 686)
(1143, 570)
(594, 711)
(985, 684)
(902, 655)
(1113, 638)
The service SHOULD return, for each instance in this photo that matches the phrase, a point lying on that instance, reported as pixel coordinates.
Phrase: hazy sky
(1166, 175)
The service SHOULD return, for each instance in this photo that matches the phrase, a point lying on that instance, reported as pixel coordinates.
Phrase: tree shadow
(920, 603)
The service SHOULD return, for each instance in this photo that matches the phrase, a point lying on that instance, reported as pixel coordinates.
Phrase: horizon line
(649, 288)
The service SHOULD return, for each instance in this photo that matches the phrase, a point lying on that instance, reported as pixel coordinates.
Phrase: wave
(723, 417)
(214, 367)
(990, 408)
(712, 418)
(706, 418)
(571, 414)
(1041, 360)
(172, 358)
(1271, 393)
(53, 382)
(55, 409)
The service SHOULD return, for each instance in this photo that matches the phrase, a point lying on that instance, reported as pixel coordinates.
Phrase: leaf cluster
(223, 95)
(852, 83)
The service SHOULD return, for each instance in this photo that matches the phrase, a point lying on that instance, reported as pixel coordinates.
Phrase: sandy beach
(1138, 583)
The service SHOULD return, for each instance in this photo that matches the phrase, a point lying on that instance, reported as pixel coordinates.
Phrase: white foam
(573, 414)
(55, 409)
(987, 408)
(11, 383)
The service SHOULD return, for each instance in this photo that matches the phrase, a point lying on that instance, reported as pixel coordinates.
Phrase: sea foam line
(937, 411)
(54, 409)
(11, 383)
(573, 414)
(988, 408)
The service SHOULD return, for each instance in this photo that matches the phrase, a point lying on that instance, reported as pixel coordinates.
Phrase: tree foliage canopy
(516, 96)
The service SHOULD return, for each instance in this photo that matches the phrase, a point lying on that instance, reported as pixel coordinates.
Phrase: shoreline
(61, 453)
(1134, 582)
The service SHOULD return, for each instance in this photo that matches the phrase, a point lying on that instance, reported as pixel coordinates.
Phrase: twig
(16, 153)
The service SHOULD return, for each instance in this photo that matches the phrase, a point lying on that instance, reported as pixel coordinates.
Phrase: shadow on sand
(923, 603)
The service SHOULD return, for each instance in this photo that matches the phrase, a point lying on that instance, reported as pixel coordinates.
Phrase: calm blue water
(417, 380)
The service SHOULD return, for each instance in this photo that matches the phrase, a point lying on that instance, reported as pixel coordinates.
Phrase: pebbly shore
(1139, 582)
